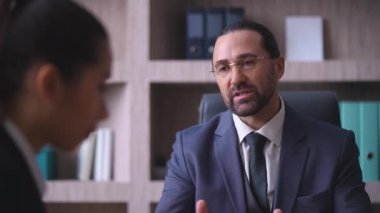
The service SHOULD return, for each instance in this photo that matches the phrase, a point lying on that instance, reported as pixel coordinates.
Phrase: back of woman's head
(59, 32)
(9, 9)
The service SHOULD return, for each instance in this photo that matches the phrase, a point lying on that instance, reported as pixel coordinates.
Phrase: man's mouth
(243, 93)
(240, 93)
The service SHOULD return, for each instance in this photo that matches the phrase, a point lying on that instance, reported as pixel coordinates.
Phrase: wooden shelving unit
(87, 192)
(334, 70)
(154, 92)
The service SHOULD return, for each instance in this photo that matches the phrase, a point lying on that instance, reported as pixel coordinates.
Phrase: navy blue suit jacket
(319, 169)
(18, 189)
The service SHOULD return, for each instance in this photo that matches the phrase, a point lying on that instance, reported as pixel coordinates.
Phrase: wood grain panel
(351, 27)
(87, 207)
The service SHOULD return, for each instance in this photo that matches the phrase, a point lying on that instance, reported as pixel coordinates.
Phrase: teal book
(369, 126)
(378, 144)
(46, 159)
(349, 114)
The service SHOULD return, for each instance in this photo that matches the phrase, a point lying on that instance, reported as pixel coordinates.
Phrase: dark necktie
(257, 168)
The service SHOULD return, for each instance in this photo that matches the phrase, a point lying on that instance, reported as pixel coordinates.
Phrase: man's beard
(255, 104)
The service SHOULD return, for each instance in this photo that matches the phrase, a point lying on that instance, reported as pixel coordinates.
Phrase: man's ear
(279, 67)
(47, 82)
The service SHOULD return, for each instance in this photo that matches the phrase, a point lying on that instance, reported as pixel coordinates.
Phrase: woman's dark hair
(268, 41)
(59, 32)
(9, 9)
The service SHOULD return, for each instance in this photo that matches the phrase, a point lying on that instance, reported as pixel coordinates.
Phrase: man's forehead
(236, 43)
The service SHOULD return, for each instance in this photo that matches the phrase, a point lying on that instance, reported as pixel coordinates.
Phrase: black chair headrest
(322, 105)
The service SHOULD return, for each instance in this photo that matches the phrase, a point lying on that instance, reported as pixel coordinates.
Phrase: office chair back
(322, 105)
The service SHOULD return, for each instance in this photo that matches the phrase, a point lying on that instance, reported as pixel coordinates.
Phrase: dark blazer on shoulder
(18, 189)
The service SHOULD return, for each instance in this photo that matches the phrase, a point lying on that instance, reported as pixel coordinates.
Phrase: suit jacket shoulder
(204, 133)
(199, 168)
(18, 190)
(319, 168)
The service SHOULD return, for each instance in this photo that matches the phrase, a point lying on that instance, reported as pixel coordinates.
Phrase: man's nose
(237, 76)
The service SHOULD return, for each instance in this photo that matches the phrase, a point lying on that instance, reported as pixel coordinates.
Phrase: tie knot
(255, 141)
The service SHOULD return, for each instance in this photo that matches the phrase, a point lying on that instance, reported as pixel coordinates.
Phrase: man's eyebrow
(222, 61)
(241, 56)
(245, 55)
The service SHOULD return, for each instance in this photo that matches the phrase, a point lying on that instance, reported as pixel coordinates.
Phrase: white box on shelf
(103, 155)
(86, 158)
(304, 38)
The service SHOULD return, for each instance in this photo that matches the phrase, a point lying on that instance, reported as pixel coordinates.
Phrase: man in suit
(261, 155)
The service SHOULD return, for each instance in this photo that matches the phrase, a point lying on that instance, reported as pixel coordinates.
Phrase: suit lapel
(229, 162)
(294, 154)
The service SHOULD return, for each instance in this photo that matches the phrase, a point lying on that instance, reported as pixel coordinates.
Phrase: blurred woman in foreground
(54, 61)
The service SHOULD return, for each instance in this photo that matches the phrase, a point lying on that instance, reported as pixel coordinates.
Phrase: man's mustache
(242, 86)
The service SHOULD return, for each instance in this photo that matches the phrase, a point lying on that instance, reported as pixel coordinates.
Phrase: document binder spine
(214, 25)
(234, 15)
(195, 33)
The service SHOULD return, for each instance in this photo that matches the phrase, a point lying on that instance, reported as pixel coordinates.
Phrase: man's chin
(244, 113)
(244, 110)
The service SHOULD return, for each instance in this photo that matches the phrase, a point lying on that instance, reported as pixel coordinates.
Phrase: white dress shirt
(27, 152)
(272, 130)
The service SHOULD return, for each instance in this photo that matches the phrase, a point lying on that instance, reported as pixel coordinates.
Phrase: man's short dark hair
(268, 41)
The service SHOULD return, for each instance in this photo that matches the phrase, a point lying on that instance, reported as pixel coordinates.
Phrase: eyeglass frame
(239, 64)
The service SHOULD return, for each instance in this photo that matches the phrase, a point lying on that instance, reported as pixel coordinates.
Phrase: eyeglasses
(248, 63)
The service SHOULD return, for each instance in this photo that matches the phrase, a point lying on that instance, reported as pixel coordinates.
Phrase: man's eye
(222, 68)
(249, 62)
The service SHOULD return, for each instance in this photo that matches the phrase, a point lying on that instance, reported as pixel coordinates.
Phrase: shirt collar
(271, 130)
(27, 152)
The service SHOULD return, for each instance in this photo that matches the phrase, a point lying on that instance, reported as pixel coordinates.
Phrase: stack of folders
(204, 25)
(95, 157)
(363, 117)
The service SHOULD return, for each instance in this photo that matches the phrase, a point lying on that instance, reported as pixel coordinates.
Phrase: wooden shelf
(118, 192)
(118, 73)
(185, 71)
(86, 191)
(87, 207)
(333, 71)
(156, 190)
(325, 71)
(373, 189)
